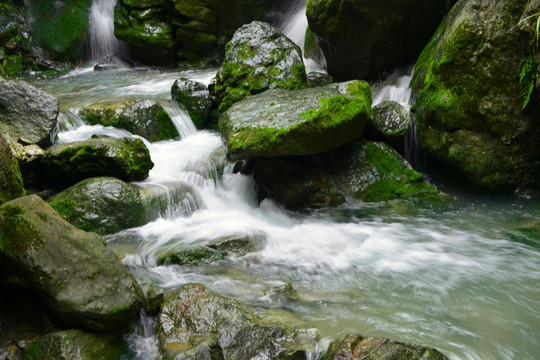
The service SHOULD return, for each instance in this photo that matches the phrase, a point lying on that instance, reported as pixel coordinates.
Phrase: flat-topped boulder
(146, 118)
(310, 121)
(126, 158)
(78, 277)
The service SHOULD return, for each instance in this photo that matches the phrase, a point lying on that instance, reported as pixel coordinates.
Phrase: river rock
(361, 38)
(468, 81)
(11, 182)
(282, 122)
(104, 205)
(389, 122)
(79, 278)
(195, 323)
(146, 118)
(259, 57)
(127, 159)
(195, 98)
(27, 114)
(112, 62)
(356, 347)
(75, 344)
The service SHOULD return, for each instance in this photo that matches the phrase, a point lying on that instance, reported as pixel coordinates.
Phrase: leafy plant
(527, 78)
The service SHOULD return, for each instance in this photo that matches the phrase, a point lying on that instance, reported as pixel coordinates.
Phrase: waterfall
(294, 25)
(102, 40)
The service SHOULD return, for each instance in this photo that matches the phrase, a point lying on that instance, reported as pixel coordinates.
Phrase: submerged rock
(361, 38)
(79, 278)
(476, 104)
(146, 118)
(389, 122)
(195, 323)
(27, 114)
(310, 121)
(126, 158)
(75, 344)
(11, 182)
(112, 62)
(259, 57)
(195, 98)
(357, 347)
(104, 205)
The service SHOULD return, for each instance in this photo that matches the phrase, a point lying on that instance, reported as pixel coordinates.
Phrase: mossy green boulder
(259, 57)
(65, 164)
(389, 122)
(105, 205)
(468, 82)
(284, 122)
(28, 115)
(195, 98)
(363, 38)
(76, 344)
(356, 347)
(196, 323)
(61, 28)
(146, 118)
(11, 181)
(78, 277)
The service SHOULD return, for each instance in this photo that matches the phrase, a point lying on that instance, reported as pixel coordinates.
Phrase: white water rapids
(460, 277)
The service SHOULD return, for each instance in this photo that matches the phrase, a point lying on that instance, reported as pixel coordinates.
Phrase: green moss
(336, 110)
(32, 352)
(196, 256)
(166, 127)
(17, 233)
(13, 65)
(120, 309)
(73, 214)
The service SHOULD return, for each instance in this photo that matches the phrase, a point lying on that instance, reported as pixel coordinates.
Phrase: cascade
(102, 40)
(294, 25)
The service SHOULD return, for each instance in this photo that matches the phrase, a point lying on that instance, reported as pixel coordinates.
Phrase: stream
(461, 276)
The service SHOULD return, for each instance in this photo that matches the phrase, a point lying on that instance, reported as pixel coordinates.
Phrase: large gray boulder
(357, 347)
(79, 278)
(283, 122)
(477, 95)
(146, 118)
(11, 182)
(27, 114)
(259, 57)
(363, 38)
(126, 158)
(195, 323)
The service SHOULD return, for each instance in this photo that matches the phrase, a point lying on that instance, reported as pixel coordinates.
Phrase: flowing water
(102, 39)
(462, 276)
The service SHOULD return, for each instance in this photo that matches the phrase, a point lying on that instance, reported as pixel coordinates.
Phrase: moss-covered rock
(146, 118)
(197, 323)
(76, 344)
(16, 55)
(104, 205)
(389, 122)
(65, 164)
(60, 28)
(356, 347)
(259, 57)
(468, 81)
(361, 38)
(310, 121)
(195, 98)
(28, 114)
(11, 181)
(79, 278)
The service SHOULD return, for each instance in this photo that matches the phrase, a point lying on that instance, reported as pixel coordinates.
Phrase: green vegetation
(18, 234)
(527, 79)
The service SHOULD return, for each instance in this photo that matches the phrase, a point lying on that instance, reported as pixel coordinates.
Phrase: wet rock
(195, 256)
(104, 205)
(75, 344)
(240, 245)
(259, 57)
(197, 323)
(146, 118)
(468, 80)
(362, 38)
(282, 122)
(11, 182)
(79, 278)
(153, 298)
(316, 79)
(127, 159)
(112, 62)
(356, 347)
(195, 98)
(27, 114)
(389, 122)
